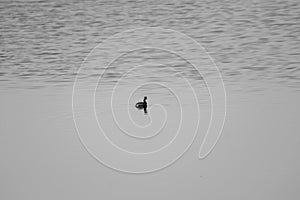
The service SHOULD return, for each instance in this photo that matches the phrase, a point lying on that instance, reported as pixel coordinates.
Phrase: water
(255, 45)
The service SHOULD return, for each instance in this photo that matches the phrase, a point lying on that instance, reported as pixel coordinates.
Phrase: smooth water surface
(255, 45)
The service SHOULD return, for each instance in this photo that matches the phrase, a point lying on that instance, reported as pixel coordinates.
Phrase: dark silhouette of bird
(142, 105)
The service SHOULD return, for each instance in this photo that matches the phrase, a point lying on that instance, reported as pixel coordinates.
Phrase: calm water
(254, 43)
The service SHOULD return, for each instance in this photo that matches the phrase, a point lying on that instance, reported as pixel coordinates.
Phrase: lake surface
(60, 90)
(254, 43)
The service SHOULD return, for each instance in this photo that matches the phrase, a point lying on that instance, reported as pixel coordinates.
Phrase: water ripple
(44, 42)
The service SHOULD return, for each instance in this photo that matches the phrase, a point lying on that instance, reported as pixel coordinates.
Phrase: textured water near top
(254, 43)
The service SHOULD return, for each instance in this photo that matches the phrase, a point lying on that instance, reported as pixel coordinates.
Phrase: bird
(142, 105)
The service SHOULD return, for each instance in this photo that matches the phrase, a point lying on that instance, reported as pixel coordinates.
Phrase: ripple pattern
(255, 43)
(127, 140)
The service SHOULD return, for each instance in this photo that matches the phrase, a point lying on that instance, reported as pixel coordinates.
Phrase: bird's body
(142, 105)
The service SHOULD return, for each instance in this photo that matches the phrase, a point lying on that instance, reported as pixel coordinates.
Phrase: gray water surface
(254, 43)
